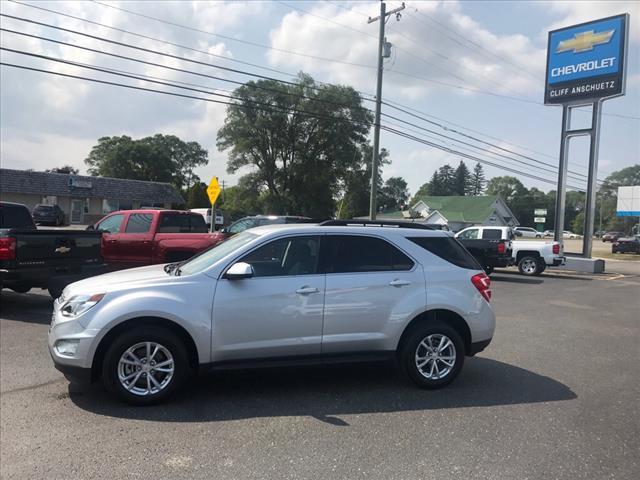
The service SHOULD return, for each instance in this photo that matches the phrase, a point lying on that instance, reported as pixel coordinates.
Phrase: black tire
(538, 236)
(156, 334)
(411, 347)
(488, 269)
(55, 292)
(529, 266)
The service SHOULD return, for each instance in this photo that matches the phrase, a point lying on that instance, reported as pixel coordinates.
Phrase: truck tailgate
(57, 247)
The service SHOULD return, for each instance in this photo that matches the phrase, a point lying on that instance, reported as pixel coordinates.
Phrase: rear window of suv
(449, 249)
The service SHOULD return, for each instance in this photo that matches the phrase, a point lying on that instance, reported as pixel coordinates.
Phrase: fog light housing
(67, 347)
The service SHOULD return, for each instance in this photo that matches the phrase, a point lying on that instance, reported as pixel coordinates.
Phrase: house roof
(60, 184)
(468, 209)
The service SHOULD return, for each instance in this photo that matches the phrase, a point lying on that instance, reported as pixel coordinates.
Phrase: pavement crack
(31, 387)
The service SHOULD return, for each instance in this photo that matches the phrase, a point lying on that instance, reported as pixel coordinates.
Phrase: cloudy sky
(475, 67)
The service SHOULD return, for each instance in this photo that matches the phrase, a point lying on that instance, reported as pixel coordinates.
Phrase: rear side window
(111, 224)
(354, 253)
(179, 223)
(491, 234)
(15, 216)
(449, 249)
(139, 223)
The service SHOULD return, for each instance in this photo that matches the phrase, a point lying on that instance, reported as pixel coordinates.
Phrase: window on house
(110, 205)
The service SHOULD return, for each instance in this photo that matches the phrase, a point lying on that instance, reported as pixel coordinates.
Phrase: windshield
(209, 257)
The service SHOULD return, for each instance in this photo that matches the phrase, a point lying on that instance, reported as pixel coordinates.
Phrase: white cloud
(419, 49)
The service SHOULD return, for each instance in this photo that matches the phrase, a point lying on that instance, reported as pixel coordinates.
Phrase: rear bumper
(44, 277)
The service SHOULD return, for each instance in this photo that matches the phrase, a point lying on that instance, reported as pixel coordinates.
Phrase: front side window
(285, 256)
(491, 234)
(470, 234)
(356, 253)
(241, 225)
(139, 223)
(111, 224)
(211, 256)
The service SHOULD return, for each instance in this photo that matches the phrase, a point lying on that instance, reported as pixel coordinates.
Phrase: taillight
(501, 247)
(7, 248)
(556, 248)
(483, 283)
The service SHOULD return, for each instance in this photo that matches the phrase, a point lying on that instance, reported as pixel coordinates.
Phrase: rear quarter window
(449, 249)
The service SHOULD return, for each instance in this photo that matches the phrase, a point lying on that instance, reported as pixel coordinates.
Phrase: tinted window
(111, 224)
(469, 234)
(44, 208)
(351, 253)
(492, 234)
(448, 249)
(180, 223)
(15, 216)
(286, 256)
(139, 223)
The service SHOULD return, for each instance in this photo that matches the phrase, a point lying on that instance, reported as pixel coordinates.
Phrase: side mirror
(239, 271)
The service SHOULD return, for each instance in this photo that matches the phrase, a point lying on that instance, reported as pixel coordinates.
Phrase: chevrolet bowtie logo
(585, 41)
(62, 249)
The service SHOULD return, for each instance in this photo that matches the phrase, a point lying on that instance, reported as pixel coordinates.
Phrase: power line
(166, 42)
(470, 157)
(193, 97)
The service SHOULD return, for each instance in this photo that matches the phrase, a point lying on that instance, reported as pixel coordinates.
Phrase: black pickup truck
(491, 246)
(48, 259)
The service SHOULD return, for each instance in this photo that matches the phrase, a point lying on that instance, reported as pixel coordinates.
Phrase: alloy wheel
(435, 356)
(146, 368)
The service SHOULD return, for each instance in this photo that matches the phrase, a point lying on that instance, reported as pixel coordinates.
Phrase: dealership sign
(587, 62)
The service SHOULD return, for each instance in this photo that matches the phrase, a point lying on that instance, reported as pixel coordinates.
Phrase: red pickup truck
(133, 238)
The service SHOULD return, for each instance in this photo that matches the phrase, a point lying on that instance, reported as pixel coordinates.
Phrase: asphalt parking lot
(554, 396)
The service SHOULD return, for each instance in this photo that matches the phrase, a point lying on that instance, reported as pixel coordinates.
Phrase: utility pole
(384, 51)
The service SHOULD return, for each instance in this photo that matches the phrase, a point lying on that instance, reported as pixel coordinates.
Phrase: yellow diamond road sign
(213, 190)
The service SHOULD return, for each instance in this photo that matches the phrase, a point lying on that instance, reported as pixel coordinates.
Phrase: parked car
(275, 295)
(490, 246)
(256, 221)
(49, 214)
(133, 238)
(612, 236)
(206, 213)
(599, 233)
(528, 232)
(548, 233)
(48, 259)
(570, 235)
(532, 257)
(626, 245)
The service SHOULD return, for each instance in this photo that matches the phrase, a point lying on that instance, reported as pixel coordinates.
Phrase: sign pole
(562, 175)
(592, 186)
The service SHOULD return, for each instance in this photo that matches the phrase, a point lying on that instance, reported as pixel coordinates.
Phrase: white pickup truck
(533, 257)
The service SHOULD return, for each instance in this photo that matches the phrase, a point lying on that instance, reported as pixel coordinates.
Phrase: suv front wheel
(433, 355)
(145, 365)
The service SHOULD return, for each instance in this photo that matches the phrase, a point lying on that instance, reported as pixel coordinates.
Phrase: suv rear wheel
(433, 355)
(144, 366)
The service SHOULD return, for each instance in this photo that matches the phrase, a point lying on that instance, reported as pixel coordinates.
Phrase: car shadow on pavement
(511, 278)
(326, 393)
(26, 307)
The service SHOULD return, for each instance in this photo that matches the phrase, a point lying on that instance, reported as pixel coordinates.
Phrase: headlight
(79, 304)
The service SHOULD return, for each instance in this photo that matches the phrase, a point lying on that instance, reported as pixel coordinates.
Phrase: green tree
(161, 158)
(394, 194)
(478, 181)
(243, 199)
(506, 187)
(622, 178)
(462, 180)
(197, 196)
(356, 191)
(302, 147)
(66, 169)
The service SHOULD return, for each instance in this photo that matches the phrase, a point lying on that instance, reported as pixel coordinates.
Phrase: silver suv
(292, 293)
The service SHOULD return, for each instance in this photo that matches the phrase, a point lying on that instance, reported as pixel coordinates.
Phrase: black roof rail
(377, 223)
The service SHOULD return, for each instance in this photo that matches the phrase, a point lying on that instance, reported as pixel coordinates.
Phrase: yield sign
(213, 190)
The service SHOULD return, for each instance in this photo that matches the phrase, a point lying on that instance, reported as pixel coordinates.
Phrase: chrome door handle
(306, 290)
(399, 283)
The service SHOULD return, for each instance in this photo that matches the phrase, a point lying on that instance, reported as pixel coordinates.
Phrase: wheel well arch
(98, 357)
(445, 316)
(527, 253)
